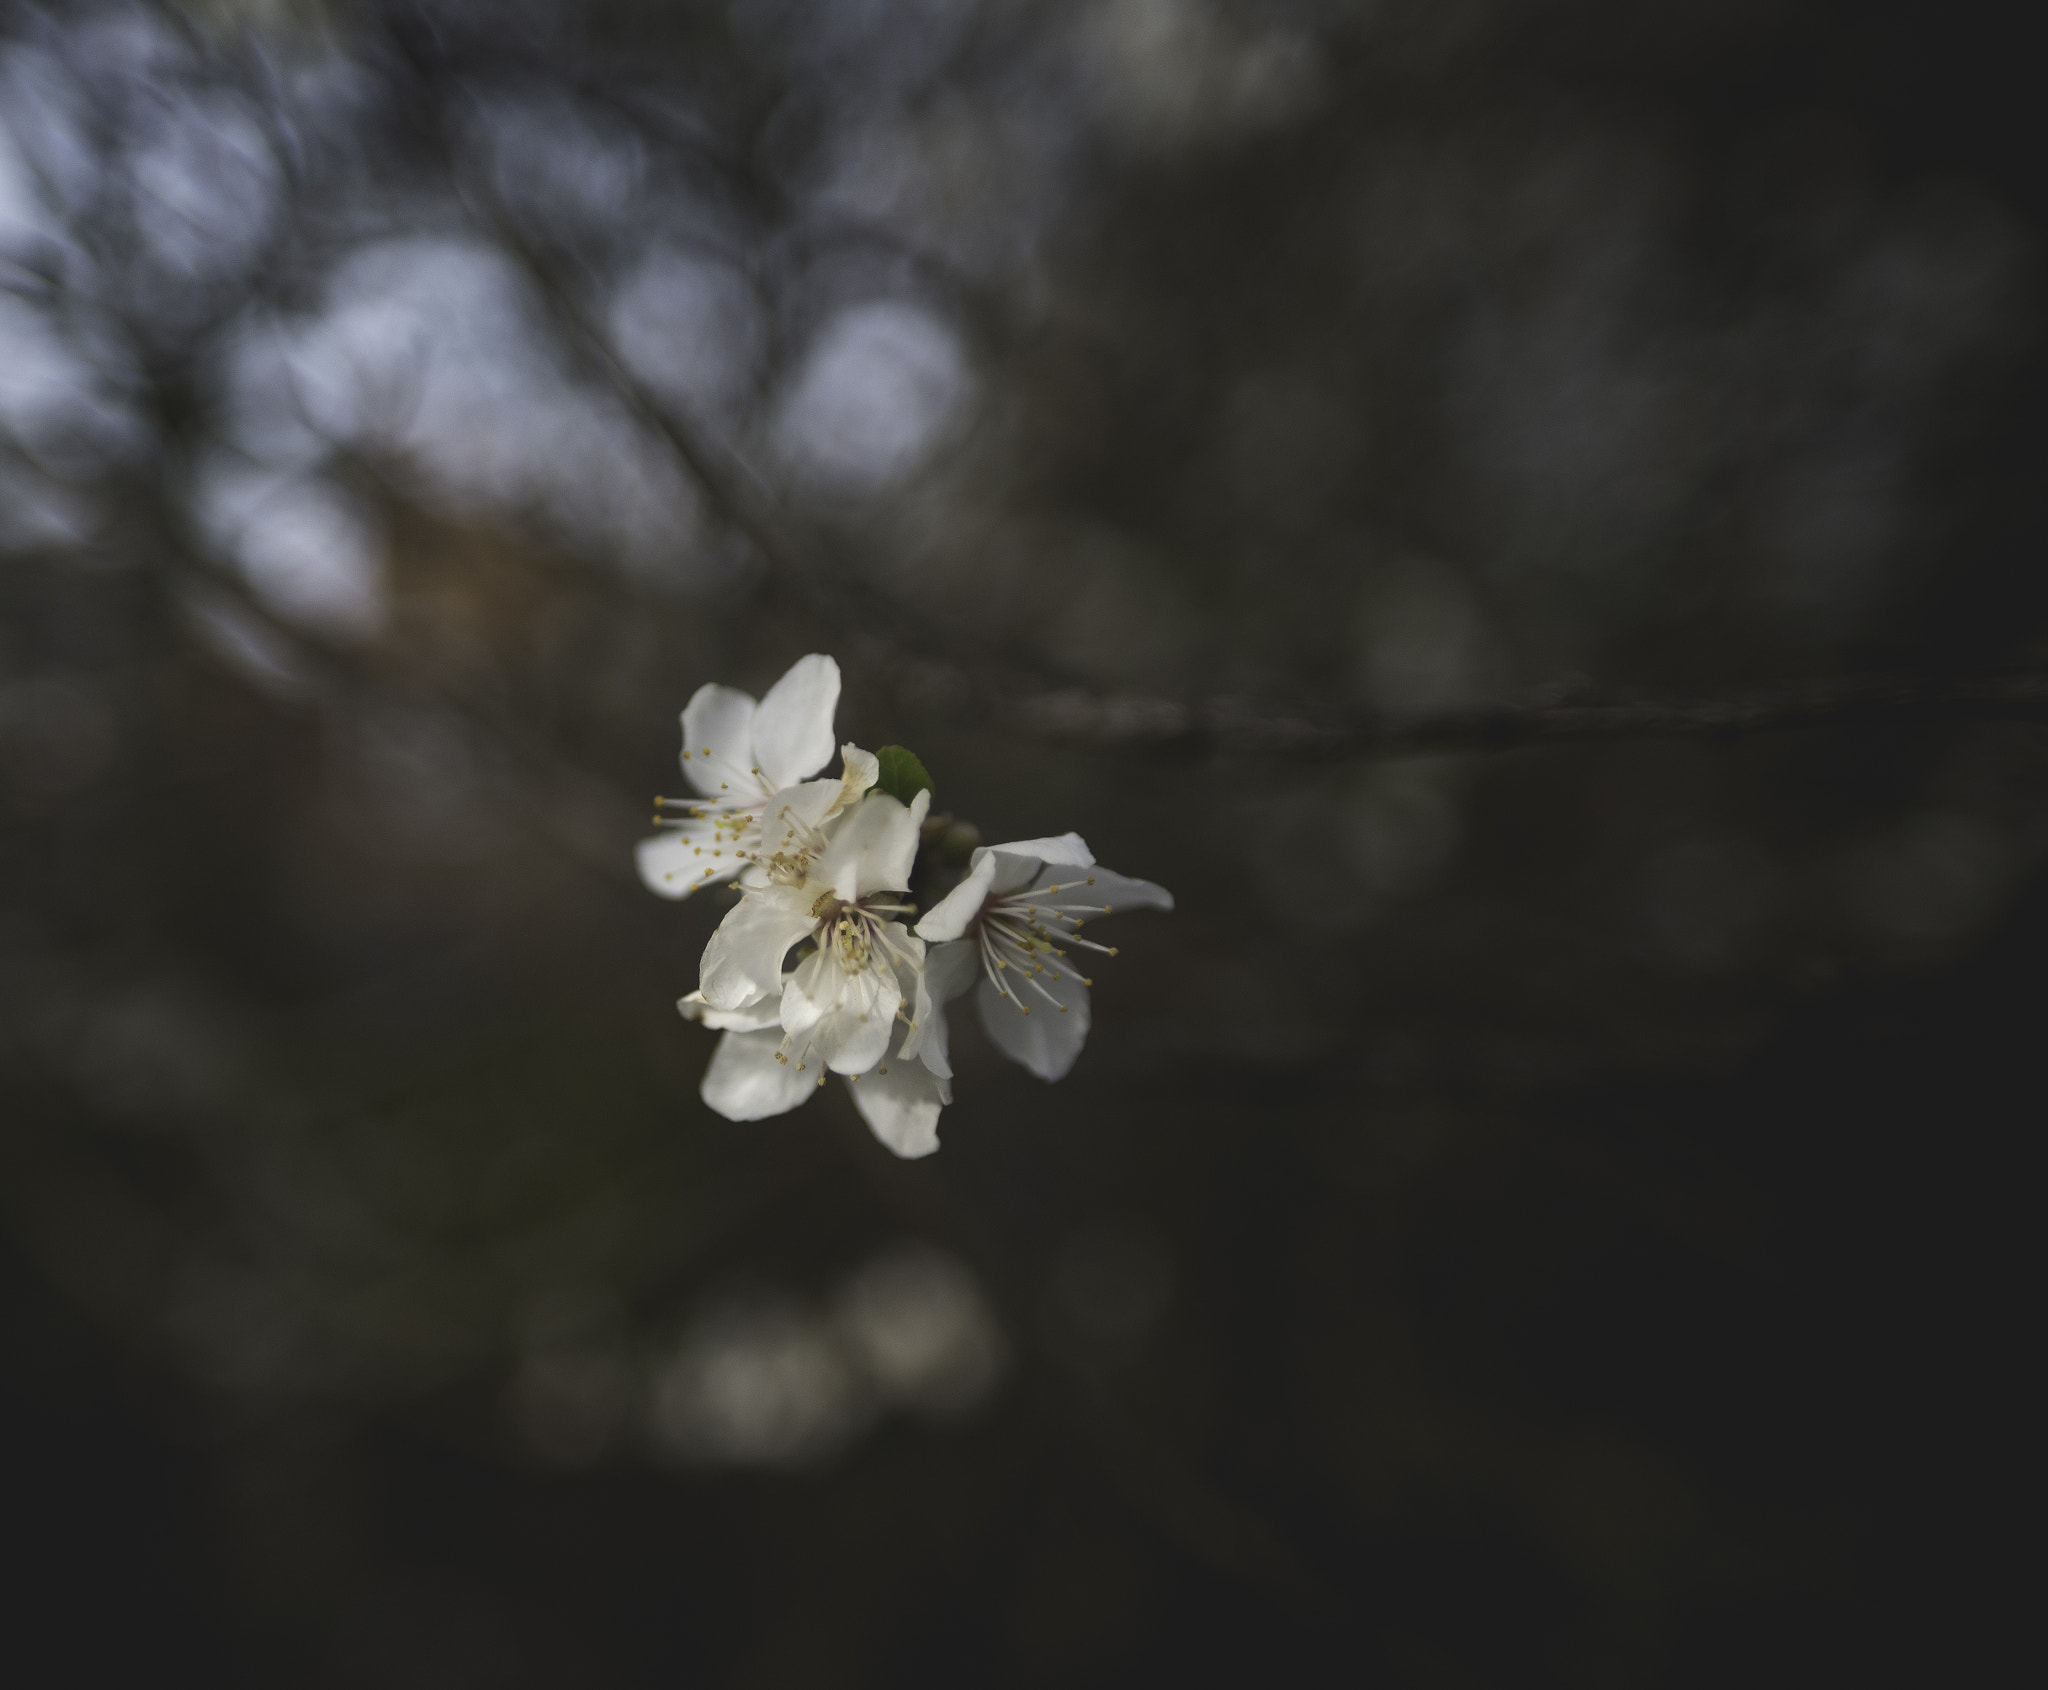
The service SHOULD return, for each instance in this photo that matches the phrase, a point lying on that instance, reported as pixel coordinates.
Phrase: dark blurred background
(1542, 1216)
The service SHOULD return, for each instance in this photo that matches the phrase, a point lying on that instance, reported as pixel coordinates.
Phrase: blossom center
(850, 939)
(795, 854)
(858, 933)
(1023, 935)
(859, 936)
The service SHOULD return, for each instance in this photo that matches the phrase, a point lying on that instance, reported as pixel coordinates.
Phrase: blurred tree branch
(931, 666)
(927, 665)
(1245, 727)
(550, 799)
(1020, 694)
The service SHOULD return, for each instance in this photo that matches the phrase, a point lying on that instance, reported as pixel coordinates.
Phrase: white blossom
(737, 755)
(751, 1078)
(817, 970)
(1021, 907)
(834, 879)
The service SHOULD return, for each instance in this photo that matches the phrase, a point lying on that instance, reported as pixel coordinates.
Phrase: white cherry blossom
(1021, 907)
(751, 1077)
(817, 969)
(839, 887)
(737, 755)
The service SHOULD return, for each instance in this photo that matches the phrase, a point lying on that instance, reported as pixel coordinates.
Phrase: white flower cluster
(824, 869)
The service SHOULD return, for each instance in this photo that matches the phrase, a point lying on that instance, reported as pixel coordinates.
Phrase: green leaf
(903, 777)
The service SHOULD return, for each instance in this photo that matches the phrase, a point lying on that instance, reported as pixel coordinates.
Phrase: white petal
(1009, 872)
(1067, 848)
(950, 969)
(746, 1083)
(948, 918)
(925, 1039)
(1046, 1041)
(811, 992)
(793, 737)
(857, 1034)
(795, 814)
(765, 1011)
(927, 1044)
(1103, 886)
(842, 1018)
(860, 772)
(744, 957)
(718, 743)
(852, 1041)
(873, 848)
(678, 861)
(901, 1101)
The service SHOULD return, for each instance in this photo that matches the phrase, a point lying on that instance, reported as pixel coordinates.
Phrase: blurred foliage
(1505, 1218)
